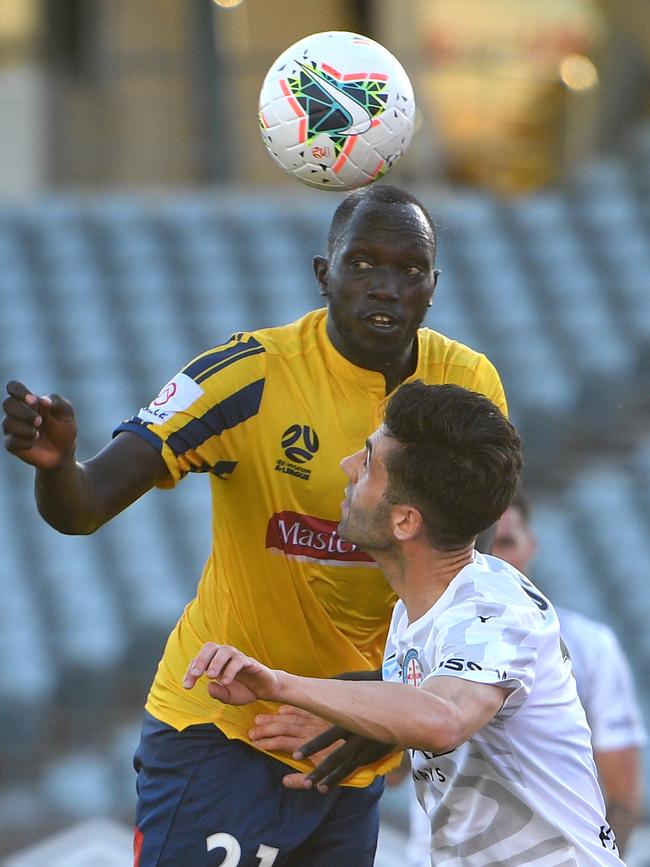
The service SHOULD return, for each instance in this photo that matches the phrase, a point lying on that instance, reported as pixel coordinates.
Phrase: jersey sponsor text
(306, 536)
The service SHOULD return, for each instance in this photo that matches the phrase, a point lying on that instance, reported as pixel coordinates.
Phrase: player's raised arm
(439, 716)
(74, 497)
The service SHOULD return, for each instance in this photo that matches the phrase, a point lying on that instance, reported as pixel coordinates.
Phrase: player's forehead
(402, 223)
(381, 443)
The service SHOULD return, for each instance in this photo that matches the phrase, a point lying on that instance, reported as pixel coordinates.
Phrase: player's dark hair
(458, 463)
(375, 194)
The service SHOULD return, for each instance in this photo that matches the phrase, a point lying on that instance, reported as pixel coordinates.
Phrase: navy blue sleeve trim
(234, 410)
(138, 427)
(219, 358)
(223, 469)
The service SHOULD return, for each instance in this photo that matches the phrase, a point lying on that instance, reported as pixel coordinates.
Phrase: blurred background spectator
(141, 221)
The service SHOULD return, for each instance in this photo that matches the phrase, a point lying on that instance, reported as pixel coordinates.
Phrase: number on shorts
(266, 854)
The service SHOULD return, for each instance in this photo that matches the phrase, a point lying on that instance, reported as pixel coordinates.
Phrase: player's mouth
(382, 321)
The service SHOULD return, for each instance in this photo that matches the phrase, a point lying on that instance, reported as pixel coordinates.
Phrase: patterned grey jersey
(523, 789)
(605, 683)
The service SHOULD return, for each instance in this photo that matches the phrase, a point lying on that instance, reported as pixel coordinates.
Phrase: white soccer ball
(336, 110)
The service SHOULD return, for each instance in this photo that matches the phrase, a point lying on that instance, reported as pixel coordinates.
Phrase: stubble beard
(369, 531)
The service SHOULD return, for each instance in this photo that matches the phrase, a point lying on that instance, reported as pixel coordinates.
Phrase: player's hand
(234, 677)
(355, 752)
(42, 431)
(287, 730)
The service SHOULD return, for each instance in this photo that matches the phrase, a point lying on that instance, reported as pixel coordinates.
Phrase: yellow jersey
(269, 416)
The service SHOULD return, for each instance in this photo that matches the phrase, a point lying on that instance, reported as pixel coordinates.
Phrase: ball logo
(337, 104)
(166, 394)
(300, 443)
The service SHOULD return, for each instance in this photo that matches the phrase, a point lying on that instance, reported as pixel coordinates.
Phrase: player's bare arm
(75, 497)
(291, 727)
(439, 716)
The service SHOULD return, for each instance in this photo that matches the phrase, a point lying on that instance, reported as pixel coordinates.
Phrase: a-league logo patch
(300, 443)
(411, 671)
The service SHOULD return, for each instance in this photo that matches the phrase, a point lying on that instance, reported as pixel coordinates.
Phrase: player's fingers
(232, 665)
(299, 713)
(199, 664)
(333, 770)
(304, 720)
(271, 727)
(20, 391)
(297, 781)
(352, 754)
(267, 725)
(16, 445)
(56, 406)
(21, 407)
(215, 657)
(18, 411)
(321, 741)
(20, 425)
(334, 758)
(20, 421)
(364, 750)
(18, 438)
(337, 776)
(275, 744)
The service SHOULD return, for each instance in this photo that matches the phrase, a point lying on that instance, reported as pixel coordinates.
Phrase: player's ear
(320, 270)
(436, 274)
(407, 523)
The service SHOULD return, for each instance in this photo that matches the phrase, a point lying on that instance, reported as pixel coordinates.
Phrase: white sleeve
(613, 712)
(488, 642)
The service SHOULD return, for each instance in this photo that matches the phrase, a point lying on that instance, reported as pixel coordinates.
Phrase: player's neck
(394, 368)
(419, 574)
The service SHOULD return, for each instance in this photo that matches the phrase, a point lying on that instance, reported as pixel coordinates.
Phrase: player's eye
(413, 270)
(361, 264)
(366, 457)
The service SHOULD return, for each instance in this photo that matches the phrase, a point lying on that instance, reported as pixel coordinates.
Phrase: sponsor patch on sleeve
(179, 393)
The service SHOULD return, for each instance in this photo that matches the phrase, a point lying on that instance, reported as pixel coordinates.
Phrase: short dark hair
(458, 462)
(375, 194)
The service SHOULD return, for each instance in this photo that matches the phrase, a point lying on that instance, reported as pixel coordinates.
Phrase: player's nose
(383, 288)
(349, 465)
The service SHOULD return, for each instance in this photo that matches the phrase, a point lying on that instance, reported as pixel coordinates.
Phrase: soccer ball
(336, 110)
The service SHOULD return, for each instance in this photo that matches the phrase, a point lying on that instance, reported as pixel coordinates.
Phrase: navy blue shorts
(207, 801)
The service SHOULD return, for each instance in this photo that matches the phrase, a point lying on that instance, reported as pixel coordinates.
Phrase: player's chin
(381, 346)
(347, 534)
(378, 335)
(342, 528)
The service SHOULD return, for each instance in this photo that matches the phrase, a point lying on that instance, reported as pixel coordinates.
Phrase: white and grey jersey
(523, 789)
(605, 683)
